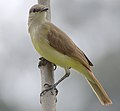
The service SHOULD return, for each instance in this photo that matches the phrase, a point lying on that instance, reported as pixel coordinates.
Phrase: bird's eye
(34, 10)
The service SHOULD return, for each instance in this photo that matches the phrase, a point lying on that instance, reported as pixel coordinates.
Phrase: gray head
(37, 13)
(38, 9)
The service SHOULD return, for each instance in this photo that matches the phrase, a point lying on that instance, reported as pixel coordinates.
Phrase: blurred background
(94, 25)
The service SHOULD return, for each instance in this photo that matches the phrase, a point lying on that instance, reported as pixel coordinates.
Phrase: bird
(56, 46)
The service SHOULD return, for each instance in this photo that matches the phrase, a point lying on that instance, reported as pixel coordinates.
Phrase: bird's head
(37, 13)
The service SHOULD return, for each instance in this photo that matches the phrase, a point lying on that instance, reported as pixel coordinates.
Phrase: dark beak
(44, 9)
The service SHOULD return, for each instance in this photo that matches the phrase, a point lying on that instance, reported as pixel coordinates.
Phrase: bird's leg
(50, 87)
(60, 80)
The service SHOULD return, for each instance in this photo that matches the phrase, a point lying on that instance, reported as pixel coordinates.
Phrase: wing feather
(62, 43)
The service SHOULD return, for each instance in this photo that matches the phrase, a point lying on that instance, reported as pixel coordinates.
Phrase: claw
(44, 92)
(49, 87)
(42, 62)
(55, 66)
(41, 58)
(56, 91)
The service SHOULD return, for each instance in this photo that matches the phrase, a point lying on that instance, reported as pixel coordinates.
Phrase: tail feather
(99, 91)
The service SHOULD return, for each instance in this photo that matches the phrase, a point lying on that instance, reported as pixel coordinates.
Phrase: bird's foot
(49, 88)
(42, 62)
(55, 66)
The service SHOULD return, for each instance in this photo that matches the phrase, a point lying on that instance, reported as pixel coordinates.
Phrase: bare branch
(48, 100)
(47, 3)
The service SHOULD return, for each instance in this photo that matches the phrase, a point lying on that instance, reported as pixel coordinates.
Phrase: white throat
(37, 19)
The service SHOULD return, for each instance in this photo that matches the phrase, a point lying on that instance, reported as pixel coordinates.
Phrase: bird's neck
(36, 23)
(38, 20)
(41, 19)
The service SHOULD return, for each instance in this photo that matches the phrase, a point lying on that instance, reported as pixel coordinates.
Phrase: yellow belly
(49, 53)
(52, 55)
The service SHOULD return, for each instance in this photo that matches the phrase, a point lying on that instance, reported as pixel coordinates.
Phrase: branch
(47, 3)
(48, 100)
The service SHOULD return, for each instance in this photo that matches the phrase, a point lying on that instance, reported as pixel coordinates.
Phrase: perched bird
(55, 46)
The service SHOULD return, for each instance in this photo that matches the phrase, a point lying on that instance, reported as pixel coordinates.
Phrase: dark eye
(33, 10)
